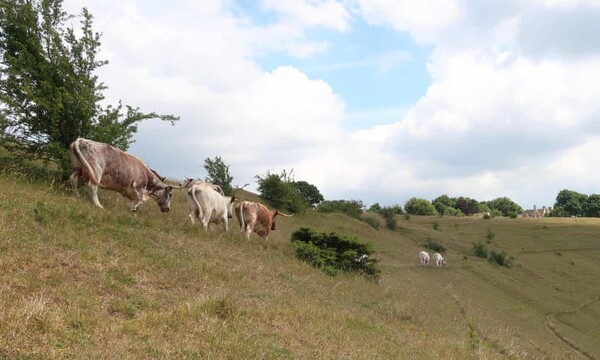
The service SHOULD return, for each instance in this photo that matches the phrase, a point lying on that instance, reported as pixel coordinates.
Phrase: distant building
(536, 213)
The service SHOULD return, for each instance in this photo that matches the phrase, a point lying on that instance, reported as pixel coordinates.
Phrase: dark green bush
(490, 235)
(435, 225)
(331, 252)
(499, 258)
(480, 250)
(434, 246)
(389, 215)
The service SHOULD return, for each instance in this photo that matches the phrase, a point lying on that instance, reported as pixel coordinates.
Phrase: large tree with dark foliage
(570, 202)
(309, 192)
(49, 91)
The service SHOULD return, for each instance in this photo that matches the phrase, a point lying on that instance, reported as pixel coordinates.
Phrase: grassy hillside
(79, 282)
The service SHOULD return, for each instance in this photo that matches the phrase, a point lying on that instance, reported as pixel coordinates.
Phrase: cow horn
(280, 213)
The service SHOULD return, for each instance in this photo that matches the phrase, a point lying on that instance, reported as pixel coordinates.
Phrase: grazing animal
(253, 216)
(189, 182)
(209, 206)
(101, 165)
(438, 259)
(424, 257)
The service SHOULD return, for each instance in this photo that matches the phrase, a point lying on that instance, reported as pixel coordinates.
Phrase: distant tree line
(572, 203)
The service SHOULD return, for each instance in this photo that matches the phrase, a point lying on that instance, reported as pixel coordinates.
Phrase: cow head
(230, 206)
(187, 183)
(163, 198)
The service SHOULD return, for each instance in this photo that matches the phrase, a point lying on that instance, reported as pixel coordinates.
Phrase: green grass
(79, 282)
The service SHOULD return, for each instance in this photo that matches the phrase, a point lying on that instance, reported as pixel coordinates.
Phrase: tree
(591, 207)
(467, 205)
(416, 206)
(444, 205)
(375, 208)
(309, 192)
(218, 173)
(279, 192)
(504, 206)
(49, 89)
(571, 201)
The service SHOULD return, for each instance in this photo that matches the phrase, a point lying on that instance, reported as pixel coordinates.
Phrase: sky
(372, 100)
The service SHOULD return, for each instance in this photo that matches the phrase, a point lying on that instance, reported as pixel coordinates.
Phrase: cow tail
(198, 208)
(85, 163)
(243, 222)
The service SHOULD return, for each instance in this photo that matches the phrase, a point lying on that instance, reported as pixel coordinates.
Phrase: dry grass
(79, 282)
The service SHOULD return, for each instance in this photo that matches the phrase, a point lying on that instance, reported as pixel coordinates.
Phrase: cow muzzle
(164, 209)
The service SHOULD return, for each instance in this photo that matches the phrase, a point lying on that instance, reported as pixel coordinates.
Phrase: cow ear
(232, 199)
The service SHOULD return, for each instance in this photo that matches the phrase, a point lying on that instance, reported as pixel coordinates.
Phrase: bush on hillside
(499, 258)
(434, 246)
(332, 253)
(374, 223)
(353, 208)
(389, 215)
(480, 250)
(279, 192)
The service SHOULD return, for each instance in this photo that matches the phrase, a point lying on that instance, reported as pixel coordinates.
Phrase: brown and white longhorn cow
(112, 169)
(255, 216)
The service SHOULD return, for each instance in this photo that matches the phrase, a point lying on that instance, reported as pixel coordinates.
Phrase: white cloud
(312, 13)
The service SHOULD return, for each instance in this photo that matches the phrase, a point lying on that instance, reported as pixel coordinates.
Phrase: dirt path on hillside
(551, 319)
(554, 250)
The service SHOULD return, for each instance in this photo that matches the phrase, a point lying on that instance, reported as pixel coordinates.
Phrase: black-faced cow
(253, 216)
(101, 165)
(208, 205)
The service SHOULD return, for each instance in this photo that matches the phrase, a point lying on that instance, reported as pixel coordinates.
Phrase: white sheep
(424, 257)
(438, 259)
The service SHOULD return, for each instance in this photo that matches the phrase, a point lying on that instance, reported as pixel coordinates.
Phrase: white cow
(189, 182)
(424, 257)
(209, 206)
(438, 259)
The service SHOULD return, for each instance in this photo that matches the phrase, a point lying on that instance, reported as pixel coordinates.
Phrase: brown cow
(112, 169)
(256, 216)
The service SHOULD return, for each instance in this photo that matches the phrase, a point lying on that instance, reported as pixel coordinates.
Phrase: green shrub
(480, 250)
(499, 258)
(490, 235)
(407, 217)
(435, 225)
(434, 246)
(351, 208)
(279, 192)
(331, 252)
(389, 215)
(375, 224)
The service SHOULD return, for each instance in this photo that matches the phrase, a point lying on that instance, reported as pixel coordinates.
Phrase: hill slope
(79, 282)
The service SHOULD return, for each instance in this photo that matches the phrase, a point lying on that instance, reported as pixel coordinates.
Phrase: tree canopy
(49, 89)
(218, 173)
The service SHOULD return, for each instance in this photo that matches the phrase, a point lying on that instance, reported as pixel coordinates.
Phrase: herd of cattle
(101, 165)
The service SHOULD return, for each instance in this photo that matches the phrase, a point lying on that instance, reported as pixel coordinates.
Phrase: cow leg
(74, 180)
(138, 198)
(94, 191)
(248, 232)
(226, 223)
